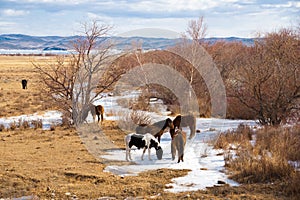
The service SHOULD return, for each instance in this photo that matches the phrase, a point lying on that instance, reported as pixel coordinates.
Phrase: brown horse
(99, 111)
(184, 121)
(178, 143)
(156, 129)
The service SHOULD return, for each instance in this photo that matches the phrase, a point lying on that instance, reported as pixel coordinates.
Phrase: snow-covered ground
(48, 118)
(206, 164)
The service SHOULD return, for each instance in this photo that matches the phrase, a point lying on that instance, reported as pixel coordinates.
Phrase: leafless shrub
(266, 78)
(130, 120)
(2, 128)
(239, 137)
(141, 103)
(140, 117)
(52, 127)
(37, 123)
(24, 124)
(13, 126)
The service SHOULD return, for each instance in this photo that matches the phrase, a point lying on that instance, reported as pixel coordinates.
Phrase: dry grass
(13, 99)
(267, 159)
(240, 137)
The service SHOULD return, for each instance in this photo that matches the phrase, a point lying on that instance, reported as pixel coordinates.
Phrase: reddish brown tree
(268, 82)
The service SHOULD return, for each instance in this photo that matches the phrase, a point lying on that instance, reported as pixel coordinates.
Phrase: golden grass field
(56, 165)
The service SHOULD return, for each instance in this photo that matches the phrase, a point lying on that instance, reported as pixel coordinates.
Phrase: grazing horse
(146, 141)
(24, 84)
(156, 129)
(99, 111)
(184, 121)
(178, 143)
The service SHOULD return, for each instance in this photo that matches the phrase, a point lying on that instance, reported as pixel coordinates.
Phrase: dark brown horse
(99, 111)
(24, 84)
(184, 121)
(177, 144)
(156, 129)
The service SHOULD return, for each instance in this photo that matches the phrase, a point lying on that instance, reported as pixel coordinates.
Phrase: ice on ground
(206, 164)
(47, 118)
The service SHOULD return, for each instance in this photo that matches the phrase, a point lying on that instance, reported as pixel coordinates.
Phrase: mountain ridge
(28, 42)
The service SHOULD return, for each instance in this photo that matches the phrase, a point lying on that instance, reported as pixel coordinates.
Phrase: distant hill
(27, 42)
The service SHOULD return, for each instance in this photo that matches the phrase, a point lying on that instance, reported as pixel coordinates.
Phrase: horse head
(159, 153)
(169, 123)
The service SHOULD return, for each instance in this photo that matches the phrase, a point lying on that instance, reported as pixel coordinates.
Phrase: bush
(13, 126)
(2, 128)
(130, 120)
(23, 124)
(37, 123)
(239, 137)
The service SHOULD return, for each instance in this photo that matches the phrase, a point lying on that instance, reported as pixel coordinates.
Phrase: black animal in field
(24, 84)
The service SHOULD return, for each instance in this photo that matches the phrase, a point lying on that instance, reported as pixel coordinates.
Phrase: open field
(13, 99)
(55, 164)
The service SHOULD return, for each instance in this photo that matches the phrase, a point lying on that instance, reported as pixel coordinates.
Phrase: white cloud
(288, 4)
(68, 2)
(223, 17)
(14, 13)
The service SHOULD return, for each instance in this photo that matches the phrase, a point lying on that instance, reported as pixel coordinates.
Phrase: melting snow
(206, 164)
(48, 118)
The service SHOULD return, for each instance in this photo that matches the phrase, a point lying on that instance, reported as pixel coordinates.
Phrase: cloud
(289, 4)
(53, 1)
(14, 13)
(223, 17)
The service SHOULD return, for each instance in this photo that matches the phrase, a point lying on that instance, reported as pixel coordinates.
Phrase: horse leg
(180, 153)
(180, 147)
(127, 152)
(149, 154)
(102, 118)
(173, 149)
(144, 153)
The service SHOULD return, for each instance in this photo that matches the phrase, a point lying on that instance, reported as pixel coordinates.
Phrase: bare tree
(200, 74)
(267, 82)
(73, 81)
(197, 29)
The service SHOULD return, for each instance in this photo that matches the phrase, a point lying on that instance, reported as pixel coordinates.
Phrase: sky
(224, 18)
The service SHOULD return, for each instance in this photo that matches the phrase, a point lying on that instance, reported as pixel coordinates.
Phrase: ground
(56, 164)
